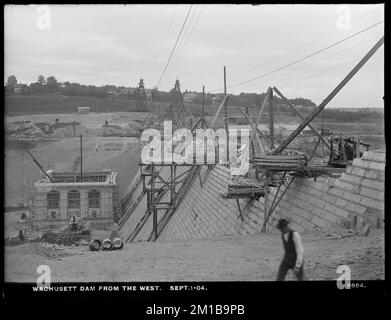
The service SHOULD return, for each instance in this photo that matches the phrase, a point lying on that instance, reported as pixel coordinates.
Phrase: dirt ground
(248, 258)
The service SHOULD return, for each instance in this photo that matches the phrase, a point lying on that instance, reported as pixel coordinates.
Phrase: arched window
(94, 199)
(53, 199)
(74, 199)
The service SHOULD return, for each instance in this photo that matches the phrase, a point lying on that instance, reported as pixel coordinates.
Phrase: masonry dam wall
(355, 198)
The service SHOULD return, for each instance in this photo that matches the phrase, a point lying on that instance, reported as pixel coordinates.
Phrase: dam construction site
(200, 201)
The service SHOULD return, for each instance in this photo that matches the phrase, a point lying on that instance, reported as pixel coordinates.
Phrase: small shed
(83, 110)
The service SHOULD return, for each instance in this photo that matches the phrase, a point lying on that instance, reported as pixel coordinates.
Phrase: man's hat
(282, 223)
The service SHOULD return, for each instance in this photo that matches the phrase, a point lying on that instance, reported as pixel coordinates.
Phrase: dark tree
(41, 80)
(51, 84)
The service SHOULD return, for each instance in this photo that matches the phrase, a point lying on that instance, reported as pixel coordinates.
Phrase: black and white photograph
(193, 144)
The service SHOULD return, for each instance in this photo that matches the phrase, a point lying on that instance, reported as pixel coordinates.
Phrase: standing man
(293, 257)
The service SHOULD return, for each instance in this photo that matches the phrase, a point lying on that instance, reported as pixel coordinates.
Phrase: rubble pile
(60, 238)
(24, 130)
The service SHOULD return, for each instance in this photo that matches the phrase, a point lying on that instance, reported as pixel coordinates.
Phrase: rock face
(351, 201)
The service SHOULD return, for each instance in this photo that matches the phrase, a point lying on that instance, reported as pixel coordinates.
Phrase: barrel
(95, 245)
(107, 244)
(117, 243)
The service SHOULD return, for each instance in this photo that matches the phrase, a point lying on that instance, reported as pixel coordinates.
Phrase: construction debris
(105, 240)
(244, 191)
(281, 163)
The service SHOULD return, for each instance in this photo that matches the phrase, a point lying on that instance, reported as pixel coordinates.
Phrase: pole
(317, 110)
(266, 213)
(81, 158)
(271, 120)
(203, 107)
(225, 112)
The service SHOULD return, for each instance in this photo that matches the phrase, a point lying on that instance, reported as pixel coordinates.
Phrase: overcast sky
(117, 44)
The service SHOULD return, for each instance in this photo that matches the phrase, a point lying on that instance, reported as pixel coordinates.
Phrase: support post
(81, 158)
(271, 120)
(155, 224)
(313, 151)
(203, 107)
(266, 213)
(172, 184)
(278, 190)
(240, 210)
(152, 200)
(226, 112)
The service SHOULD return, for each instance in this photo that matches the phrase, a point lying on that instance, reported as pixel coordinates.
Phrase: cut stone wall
(42, 215)
(357, 197)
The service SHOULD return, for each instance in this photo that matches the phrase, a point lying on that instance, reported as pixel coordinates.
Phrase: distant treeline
(47, 94)
(50, 85)
(348, 116)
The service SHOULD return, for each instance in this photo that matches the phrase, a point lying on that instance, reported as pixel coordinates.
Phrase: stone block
(342, 213)
(329, 197)
(330, 217)
(351, 196)
(351, 178)
(371, 174)
(374, 156)
(318, 221)
(375, 204)
(360, 172)
(377, 166)
(320, 212)
(374, 194)
(316, 202)
(329, 207)
(344, 185)
(361, 163)
(304, 214)
(356, 208)
(336, 191)
(373, 184)
(303, 222)
(341, 202)
(297, 227)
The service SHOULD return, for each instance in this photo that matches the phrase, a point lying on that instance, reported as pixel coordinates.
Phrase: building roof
(64, 179)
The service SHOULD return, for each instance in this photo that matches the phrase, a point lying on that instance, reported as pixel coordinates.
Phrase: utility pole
(225, 104)
(203, 107)
(271, 120)
(226, 113)
(81, 158)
